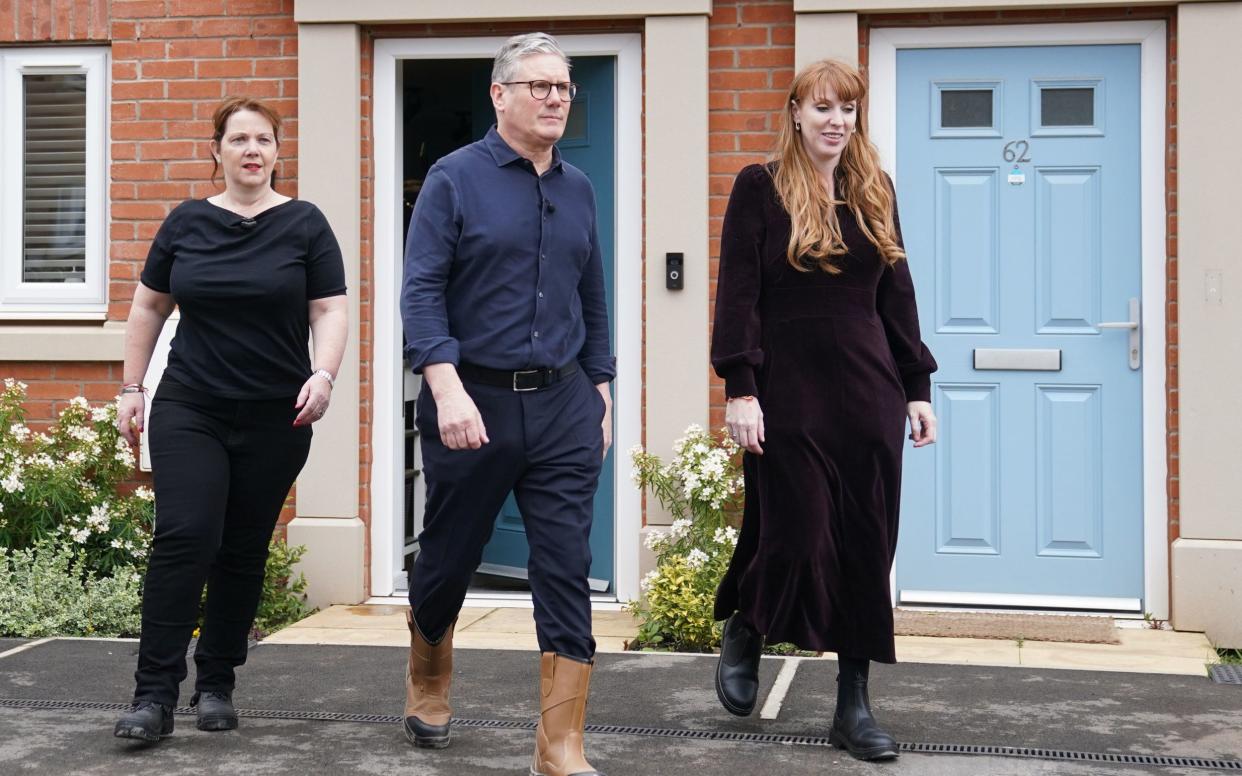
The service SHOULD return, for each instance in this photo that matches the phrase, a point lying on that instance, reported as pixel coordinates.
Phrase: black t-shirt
(243, 287)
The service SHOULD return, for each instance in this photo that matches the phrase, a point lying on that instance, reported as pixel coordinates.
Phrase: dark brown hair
(225, 111)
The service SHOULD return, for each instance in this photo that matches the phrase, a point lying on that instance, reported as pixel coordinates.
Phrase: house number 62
(1017, 151)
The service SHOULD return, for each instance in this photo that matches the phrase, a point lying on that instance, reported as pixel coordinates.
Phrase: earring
(797, 127)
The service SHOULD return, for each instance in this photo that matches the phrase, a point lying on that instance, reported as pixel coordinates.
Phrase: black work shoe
(215, 710)
(854, 728)
(737, 670)
(145, 721)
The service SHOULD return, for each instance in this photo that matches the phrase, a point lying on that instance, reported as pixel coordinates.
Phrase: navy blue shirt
(503, 267)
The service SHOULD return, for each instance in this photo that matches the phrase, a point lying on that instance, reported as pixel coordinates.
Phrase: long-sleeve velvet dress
(833, 360)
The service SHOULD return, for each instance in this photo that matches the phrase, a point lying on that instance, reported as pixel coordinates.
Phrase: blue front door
(588, 144)
(1018, 180)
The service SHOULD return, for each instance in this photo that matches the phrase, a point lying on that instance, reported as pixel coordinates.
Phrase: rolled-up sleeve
(435, 228)
(595, 357)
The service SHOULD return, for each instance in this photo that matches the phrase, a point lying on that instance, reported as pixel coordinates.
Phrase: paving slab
(1089, 711)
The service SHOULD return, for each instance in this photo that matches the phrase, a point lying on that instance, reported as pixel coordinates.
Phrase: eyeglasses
(540, 90)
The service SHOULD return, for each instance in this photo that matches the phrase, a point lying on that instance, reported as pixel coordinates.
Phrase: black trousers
(547, 448)
(222, 470)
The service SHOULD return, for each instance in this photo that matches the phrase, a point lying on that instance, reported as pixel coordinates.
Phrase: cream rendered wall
(676, 216)
(329, 147)
(1207, 560)
(825, 36)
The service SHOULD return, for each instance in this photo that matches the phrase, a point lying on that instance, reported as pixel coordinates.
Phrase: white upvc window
(53, 167)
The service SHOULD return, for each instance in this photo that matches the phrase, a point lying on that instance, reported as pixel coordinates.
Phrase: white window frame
(58, 301)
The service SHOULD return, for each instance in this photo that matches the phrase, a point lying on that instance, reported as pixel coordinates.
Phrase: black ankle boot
(854, 729)
(737, 671)
(145, 721)
(215, 710)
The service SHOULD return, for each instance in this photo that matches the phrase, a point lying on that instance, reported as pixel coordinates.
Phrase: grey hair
(519, 47)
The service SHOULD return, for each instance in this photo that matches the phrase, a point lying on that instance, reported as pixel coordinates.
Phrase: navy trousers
(547, 448)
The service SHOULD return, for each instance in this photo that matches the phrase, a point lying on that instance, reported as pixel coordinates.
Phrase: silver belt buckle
(525, 372)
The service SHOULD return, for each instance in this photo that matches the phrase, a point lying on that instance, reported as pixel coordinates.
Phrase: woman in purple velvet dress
(817, 338)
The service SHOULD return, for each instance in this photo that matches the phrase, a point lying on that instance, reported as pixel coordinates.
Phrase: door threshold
(1116, 615)
(599, 603)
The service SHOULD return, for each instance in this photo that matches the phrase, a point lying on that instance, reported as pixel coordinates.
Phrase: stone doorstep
(1141, 650)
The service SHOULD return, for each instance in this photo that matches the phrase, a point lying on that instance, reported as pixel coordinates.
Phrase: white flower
(125, 456)
(80, 402)
(726, 535)
(76, 457)
(13, 482)
(655, 540)
(10, 384)
(99, 414)
(696, 558)
(19, 432)
(679, 528)
(117, 545)
(82, 434)
(80, 535)
(99, 518)
(144, 493)
(648, 579)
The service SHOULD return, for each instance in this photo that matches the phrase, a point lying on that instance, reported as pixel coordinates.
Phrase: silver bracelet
(325, 374)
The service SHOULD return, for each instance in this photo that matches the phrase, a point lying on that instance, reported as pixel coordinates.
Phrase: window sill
(62, 341)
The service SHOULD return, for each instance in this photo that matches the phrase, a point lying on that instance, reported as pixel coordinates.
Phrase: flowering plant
(700, 487)
(61, 486)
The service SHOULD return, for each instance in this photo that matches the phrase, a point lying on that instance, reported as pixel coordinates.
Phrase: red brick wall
(38, 21)
(750, 66)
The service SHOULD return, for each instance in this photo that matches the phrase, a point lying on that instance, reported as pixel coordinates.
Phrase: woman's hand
(744, 419)
(312, 400)
(922, 423)
(129, 416)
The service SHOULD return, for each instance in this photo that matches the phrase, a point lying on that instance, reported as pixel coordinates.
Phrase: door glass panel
(966, 108)
(1067, 107)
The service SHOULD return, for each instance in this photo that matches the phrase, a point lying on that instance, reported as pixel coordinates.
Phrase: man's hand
(461, 425)
(607, 422)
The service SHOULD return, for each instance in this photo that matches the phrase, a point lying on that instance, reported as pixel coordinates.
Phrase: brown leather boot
(563, 687)
(427, 677)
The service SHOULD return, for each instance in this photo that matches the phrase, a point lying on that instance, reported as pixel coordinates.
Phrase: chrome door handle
(1136, 341)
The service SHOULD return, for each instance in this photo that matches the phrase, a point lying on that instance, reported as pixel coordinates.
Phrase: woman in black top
(254, 273)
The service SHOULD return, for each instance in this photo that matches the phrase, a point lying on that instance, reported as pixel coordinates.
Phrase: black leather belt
(518, 380)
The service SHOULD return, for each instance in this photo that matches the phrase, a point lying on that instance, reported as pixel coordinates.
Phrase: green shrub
(47, 590)
(700, 487)
(65, 486)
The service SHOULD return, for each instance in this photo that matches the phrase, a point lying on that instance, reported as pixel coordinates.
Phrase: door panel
(588, 144)
(1019, 191)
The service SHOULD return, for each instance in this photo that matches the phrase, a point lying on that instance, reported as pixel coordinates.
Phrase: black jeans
(222, 470)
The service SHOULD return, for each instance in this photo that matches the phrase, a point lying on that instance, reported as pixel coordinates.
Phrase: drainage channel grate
(1162, 761)
(1227, 674)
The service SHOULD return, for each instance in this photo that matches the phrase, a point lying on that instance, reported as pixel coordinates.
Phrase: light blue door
(1018, 180)
(588, 144)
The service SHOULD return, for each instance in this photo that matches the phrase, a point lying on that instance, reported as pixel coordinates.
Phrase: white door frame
(1150, 36)
(387, 448)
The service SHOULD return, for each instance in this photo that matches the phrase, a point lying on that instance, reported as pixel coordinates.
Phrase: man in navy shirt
(505, 317)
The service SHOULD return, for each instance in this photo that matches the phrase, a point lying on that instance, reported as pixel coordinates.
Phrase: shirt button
(536, 335)
(541, 295)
